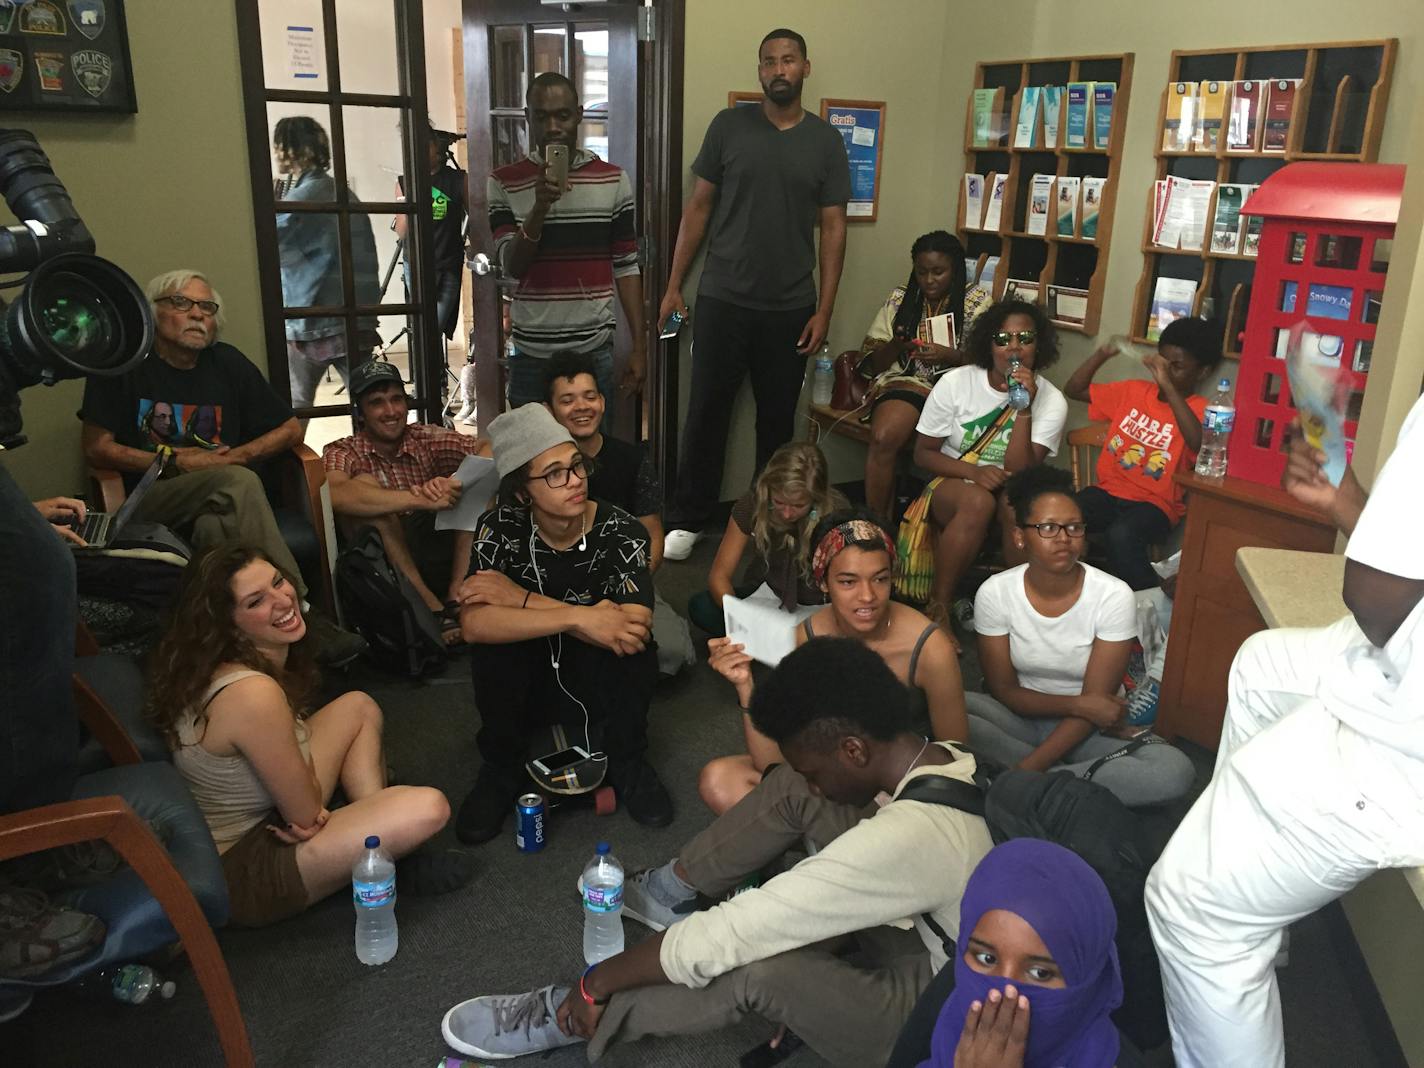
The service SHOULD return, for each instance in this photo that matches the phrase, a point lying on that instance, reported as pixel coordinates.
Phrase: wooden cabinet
(1214, 613)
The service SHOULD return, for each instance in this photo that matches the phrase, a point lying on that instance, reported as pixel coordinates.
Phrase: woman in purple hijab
(1037, 974)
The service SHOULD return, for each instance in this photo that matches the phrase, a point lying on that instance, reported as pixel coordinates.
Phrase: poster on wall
(862, 124)
(738, 99)
(65, 55)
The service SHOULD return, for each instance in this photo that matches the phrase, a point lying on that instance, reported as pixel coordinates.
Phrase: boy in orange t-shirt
(1153, 428)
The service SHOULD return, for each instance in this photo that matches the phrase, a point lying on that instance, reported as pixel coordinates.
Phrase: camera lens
(77, 319)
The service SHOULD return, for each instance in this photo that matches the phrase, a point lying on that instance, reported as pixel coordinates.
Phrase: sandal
(449, 620)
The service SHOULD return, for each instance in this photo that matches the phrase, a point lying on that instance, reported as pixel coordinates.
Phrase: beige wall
(165, 188)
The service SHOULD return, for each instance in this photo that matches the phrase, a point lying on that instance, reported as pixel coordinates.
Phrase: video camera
(77, 314)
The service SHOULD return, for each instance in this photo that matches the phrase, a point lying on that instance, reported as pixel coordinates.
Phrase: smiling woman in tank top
(853, 563)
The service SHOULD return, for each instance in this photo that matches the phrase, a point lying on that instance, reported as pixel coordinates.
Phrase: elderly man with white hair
(203, 401)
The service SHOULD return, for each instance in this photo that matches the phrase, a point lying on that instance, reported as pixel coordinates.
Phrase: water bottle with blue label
(823, 378)
(602, 906)
(373, 890)
(1217, 421)
(1019, 398)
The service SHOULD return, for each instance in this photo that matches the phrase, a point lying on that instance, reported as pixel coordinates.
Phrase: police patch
(88, 17)
(40, 16)
(7, 15)
(12, 66)
(92, 69)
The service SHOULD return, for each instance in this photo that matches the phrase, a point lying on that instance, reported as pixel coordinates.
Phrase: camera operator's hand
(66, 514)
(194, 459)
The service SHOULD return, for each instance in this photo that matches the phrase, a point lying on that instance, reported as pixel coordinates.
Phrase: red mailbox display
(1325, 248)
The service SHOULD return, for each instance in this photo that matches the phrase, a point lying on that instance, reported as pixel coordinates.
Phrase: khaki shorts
(263, 883)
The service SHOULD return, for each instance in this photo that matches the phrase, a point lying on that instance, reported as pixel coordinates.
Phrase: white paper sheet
(478, 482)
(758, 623)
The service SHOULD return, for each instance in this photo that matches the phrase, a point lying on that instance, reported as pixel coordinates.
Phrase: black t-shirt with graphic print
(612, 566)
(221, 400)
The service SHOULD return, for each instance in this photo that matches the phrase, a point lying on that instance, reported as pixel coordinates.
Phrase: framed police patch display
(65, 55)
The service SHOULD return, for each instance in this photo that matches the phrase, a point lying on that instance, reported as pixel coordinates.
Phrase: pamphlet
(1226, 222)
(1080, 102)
(478, 482)
(1092, 204)
(1026, 131)
(994, 213)
(1052, 97)
(1171, 299)
(1040, 192)
(973, 201)
(1103, 93)
(1066, 195)
(758, 624)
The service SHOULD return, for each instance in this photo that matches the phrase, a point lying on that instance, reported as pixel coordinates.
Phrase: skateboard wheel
(605, 801)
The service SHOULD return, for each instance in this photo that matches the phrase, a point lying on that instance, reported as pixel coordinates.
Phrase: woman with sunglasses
(1054, 636)
(971, 438)
(557, 611)
(853, 565)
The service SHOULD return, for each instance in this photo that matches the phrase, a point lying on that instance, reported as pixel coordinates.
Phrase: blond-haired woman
(776, 518)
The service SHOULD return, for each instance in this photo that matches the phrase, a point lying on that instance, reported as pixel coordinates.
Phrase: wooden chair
(111, 819)
(299, 476)
(1083, 445)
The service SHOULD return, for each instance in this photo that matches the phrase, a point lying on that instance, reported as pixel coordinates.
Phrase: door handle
(479, 263)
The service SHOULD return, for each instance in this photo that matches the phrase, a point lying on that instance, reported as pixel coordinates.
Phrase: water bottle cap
(373, 841)
(1225, 383)
(601, 848)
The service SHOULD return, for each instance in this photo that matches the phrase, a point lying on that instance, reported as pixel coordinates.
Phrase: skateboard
(571, 778)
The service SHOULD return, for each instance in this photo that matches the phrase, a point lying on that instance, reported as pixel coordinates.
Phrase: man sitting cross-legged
(395, 476)
(842, 720)
(620, 473)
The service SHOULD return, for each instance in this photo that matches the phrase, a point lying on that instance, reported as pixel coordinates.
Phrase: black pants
(517, 692)
(1132, 528)
(728, 341)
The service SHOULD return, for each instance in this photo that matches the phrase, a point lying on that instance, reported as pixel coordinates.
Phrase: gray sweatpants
(1150, 775)
(848, 1012)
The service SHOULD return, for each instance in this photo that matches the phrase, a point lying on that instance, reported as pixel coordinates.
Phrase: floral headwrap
(854, 532)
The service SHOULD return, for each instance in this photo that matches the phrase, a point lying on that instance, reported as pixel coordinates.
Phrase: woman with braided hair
(899, 354)
(853, 563)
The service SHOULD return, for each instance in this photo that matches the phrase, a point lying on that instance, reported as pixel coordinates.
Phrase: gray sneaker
(640, 904)
(501, 1026)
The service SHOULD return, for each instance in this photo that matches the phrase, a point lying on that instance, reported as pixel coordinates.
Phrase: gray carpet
(308, 1001)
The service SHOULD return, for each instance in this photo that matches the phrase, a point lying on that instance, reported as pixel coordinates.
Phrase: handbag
(850, 387)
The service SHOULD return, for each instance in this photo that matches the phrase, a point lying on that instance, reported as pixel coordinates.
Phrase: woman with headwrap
(852, 563)
(1037, 977)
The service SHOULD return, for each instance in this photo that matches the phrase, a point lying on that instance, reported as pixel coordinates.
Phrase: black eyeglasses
(558, 478)
(182, 303)
(1026, 337)
(1050, 530)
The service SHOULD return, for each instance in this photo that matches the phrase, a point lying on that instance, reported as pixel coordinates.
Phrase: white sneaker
(678, 544)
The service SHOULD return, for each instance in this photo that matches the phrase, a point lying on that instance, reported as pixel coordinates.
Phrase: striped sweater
(565, 299)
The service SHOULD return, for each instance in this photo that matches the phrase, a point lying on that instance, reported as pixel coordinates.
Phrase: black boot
(642, 793)
(488, 805)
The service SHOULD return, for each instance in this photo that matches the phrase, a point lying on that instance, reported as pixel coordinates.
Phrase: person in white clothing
(968, 407)
(1319, 777)
(1054, 638)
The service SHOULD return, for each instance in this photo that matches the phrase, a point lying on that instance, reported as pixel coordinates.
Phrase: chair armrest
(101, 722)
(108, 487)
(302, 478)
(110, 818)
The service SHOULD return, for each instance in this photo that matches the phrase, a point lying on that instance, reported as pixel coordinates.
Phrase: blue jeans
(526, 381)
(39, 730)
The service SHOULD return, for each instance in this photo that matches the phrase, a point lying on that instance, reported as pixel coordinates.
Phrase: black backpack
(385, 610)
(1088, 819)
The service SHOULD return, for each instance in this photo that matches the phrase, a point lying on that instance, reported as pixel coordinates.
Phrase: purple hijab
(1063, 899)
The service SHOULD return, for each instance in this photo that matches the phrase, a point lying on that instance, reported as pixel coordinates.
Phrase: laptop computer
(99, 529)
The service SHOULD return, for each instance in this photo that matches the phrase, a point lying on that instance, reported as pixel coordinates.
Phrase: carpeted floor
(308, 1001)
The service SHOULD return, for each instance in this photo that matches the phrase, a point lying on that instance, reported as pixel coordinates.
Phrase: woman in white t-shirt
(1054, 637)
(967, 407)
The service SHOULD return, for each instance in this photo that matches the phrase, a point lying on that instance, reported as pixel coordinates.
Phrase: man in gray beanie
(558, 613)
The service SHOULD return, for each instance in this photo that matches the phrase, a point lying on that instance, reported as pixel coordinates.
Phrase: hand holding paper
(478, 480)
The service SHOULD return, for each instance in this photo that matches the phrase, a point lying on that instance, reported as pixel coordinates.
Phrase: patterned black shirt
(613, 566)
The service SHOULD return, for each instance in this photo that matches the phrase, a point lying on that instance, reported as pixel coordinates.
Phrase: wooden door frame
(658, 173)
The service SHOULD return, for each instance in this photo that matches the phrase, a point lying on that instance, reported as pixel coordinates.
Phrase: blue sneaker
(1142, 704)
(501, 1026)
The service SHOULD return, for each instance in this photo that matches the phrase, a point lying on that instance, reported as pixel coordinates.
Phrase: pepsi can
(529, 823)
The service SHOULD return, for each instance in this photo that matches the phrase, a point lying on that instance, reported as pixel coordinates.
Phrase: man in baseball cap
(558, 612)
(396, 475)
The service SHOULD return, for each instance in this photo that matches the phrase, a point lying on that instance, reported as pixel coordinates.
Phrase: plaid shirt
(426, 452)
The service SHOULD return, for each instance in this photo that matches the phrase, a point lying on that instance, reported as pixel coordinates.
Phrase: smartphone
(557, 158)
(547, 765)
(671, 326)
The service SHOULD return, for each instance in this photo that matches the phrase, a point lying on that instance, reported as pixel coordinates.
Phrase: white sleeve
(991, 615)
(1116, 617)
(1050, 413)
(1384, 538)
(937, 418)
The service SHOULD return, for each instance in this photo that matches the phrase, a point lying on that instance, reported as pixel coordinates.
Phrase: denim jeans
(526, 381)
(39, 730)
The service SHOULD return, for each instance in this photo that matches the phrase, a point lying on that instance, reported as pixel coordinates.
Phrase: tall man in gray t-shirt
(766, 177)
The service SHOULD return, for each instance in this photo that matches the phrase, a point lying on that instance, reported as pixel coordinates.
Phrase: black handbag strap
(952, 793)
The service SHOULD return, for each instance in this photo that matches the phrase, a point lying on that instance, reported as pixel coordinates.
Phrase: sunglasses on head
(1005, 337)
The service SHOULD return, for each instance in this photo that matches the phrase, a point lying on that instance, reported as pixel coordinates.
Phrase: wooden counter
(1214, 612)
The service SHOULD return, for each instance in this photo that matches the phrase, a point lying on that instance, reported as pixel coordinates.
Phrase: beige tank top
(227, 789)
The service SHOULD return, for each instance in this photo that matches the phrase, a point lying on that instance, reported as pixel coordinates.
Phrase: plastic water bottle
(132, 984)
(373, 889)
(1216, 431)
(823, 379)
(602, 906)
(1018, 392)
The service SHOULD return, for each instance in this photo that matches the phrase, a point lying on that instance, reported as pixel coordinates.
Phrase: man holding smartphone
(563, 225)
(767, 177)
